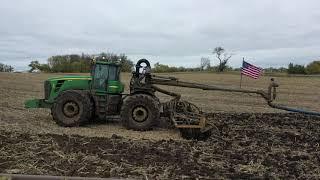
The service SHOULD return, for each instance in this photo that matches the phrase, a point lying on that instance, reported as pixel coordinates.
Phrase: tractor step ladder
(102, 105)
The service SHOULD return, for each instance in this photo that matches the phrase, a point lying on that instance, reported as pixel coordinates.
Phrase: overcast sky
(265, 32)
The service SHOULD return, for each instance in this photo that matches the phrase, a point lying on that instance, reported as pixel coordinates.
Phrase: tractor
(76, 100)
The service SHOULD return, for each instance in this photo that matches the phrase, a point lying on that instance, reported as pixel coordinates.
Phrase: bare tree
(204, 63)
(222, 56)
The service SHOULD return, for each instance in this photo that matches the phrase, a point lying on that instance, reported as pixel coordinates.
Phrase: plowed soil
(243, 145)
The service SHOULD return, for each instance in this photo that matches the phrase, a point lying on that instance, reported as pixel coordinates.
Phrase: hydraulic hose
(278, 106)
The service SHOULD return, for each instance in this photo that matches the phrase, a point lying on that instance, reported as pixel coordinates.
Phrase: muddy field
(250, 144)
(244, 146)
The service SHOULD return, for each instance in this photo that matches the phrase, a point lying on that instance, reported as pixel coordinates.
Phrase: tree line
(75, 63)
(311, 68)
(6, 68)
(224, 57)
(161, 68)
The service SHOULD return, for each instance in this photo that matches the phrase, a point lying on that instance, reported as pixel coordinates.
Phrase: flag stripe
(251, 70)
(250, 74)
(254, 68)
(253, 74)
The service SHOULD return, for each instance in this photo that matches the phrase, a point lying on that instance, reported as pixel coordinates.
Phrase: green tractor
(75, 100)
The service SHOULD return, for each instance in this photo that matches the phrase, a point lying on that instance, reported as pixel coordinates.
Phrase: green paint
(37, 103)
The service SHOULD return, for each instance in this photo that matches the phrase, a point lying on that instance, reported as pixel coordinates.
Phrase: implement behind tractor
(75, 100)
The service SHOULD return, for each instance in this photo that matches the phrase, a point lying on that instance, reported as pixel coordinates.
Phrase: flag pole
(241, 73)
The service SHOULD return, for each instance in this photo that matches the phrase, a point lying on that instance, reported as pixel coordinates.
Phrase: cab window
(104, 73)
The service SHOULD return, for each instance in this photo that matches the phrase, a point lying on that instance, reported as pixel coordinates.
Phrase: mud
(242, 146)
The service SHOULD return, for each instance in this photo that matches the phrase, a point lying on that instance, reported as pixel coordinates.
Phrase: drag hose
(282, 107)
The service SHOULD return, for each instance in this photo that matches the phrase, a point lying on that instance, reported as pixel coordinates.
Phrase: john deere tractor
(75, 100)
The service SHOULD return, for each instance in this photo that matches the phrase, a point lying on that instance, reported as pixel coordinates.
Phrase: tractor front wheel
(72, 108)
(140, 112)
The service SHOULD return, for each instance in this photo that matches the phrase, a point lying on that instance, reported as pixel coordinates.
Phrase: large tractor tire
(140, 112)
(72, 108)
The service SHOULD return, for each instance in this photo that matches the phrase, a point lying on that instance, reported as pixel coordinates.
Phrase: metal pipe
(269, 96)
(171, 82)
(176, 95)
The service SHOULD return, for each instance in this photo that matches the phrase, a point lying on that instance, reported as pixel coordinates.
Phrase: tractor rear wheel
(72, 108)
(140, 112)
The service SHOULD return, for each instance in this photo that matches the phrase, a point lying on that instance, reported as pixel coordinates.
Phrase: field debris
(250, 146)
(242, 145)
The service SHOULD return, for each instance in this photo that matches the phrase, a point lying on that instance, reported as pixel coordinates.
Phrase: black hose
(277, 106)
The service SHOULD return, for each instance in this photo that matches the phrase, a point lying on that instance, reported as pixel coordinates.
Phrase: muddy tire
(140, 112)
(72, 108)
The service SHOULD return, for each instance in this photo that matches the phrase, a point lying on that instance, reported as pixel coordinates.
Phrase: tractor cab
(106, 77)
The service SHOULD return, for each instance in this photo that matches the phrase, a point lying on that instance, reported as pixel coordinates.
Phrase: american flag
(251, 70)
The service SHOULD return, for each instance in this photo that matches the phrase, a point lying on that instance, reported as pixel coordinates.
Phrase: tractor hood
(70, 78)
(53, 86)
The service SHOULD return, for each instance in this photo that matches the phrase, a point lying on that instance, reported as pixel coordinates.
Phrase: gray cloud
(269, 33)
